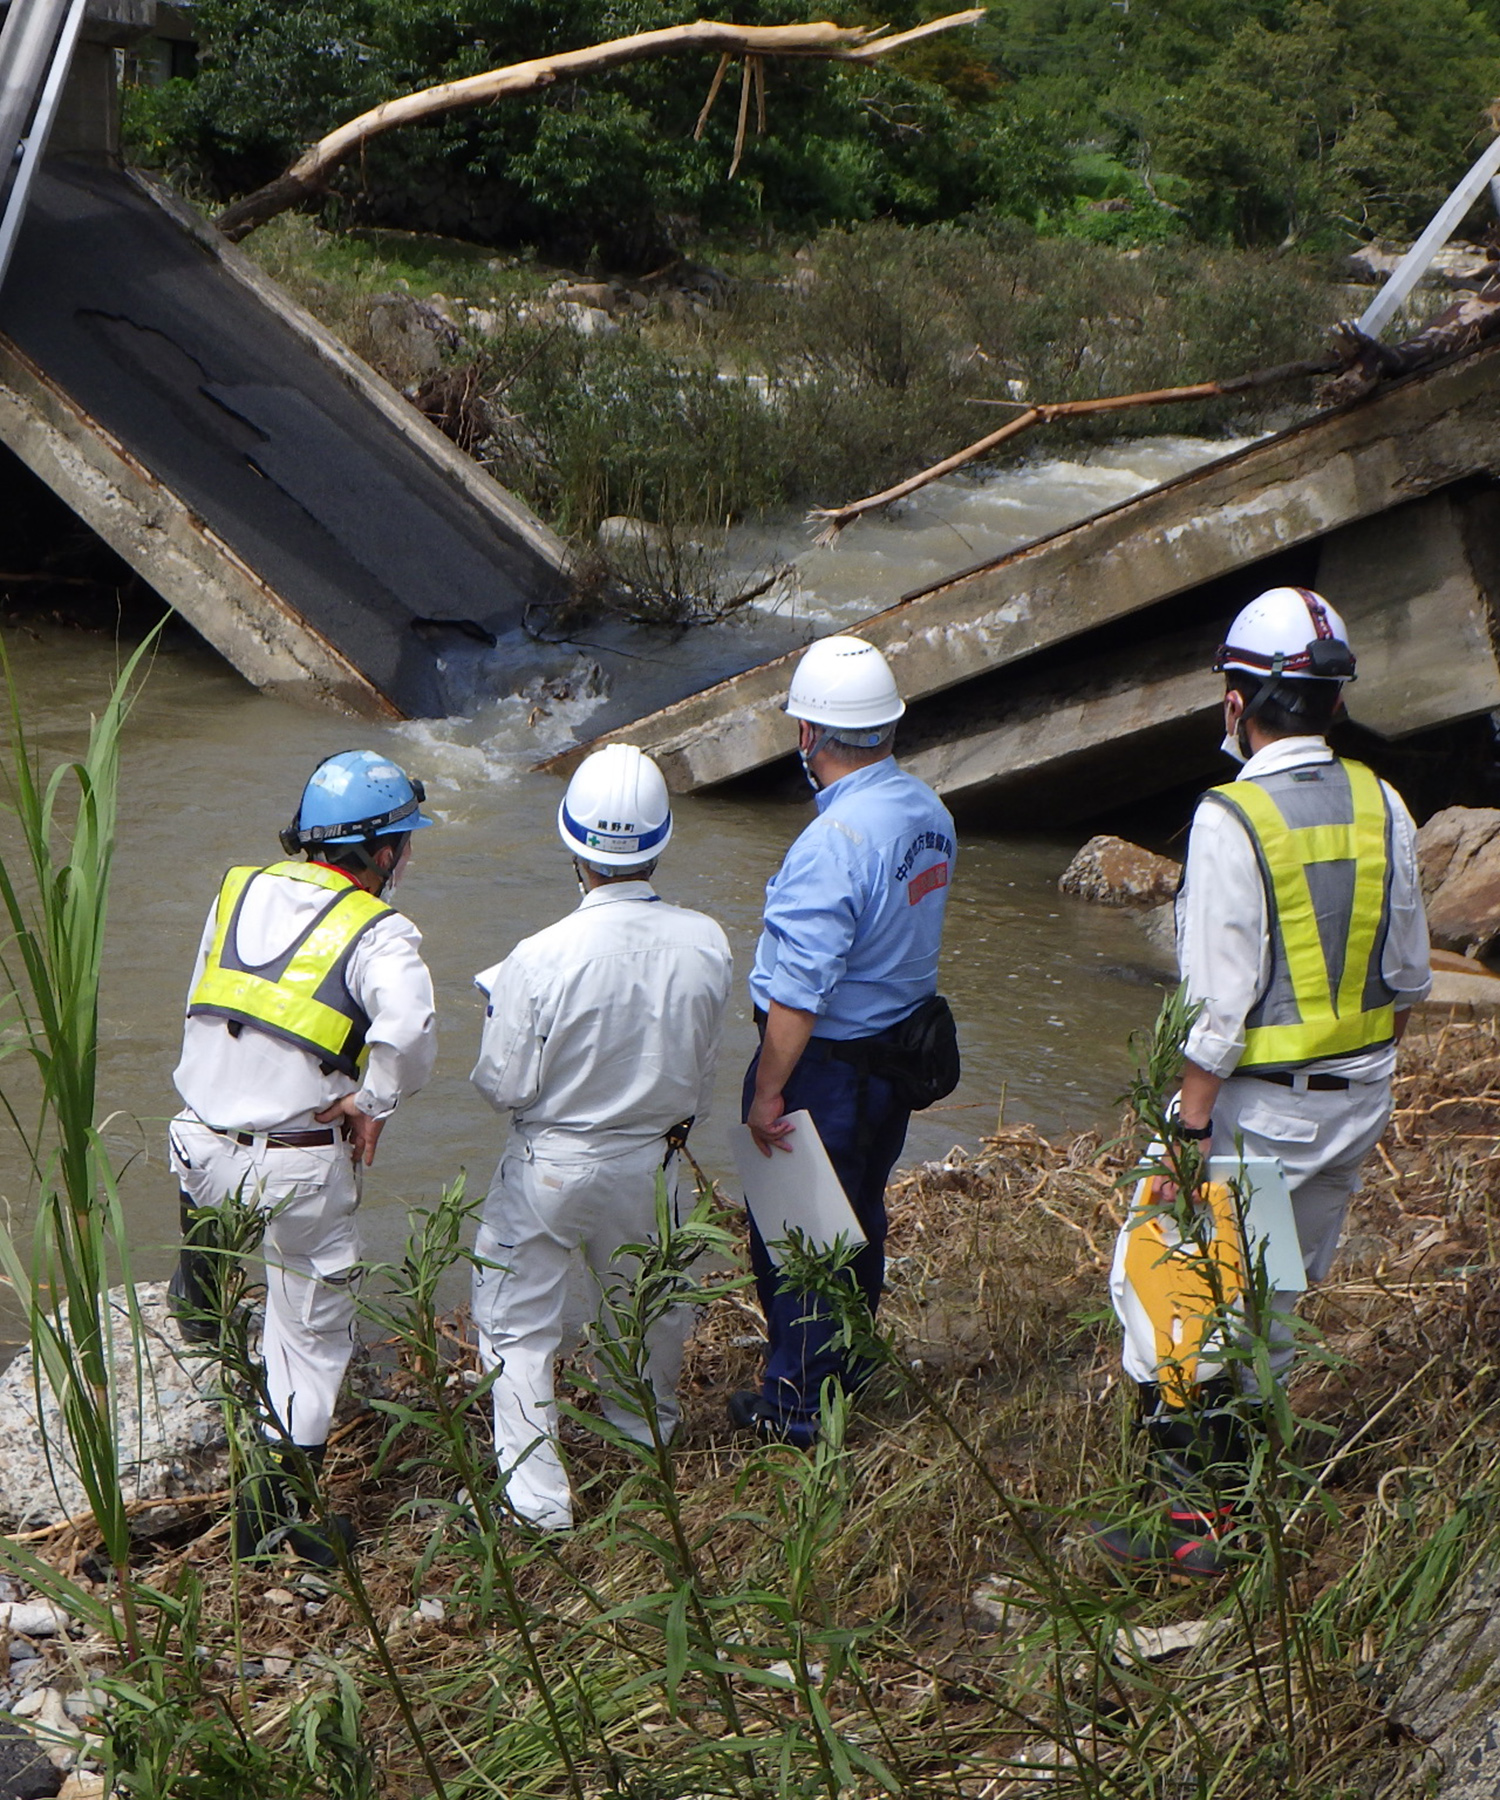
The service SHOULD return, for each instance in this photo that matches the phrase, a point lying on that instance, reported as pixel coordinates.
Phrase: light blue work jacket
(854, 915)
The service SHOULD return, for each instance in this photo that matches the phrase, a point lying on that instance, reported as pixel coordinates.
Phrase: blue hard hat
(355, 795)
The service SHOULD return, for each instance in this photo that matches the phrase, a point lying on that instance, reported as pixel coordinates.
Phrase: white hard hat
(1288, 632)
(616, 814)
(845, 684)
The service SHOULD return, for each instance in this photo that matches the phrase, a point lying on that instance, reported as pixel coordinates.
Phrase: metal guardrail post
(1414, 265)
(36, 49)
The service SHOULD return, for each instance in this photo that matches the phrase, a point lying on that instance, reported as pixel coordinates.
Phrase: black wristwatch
(1195, 1133)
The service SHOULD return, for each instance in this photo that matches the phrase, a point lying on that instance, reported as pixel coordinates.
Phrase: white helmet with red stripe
(1288, 633)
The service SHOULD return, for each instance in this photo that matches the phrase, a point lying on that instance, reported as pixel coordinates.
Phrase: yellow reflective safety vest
(302, 995)
(1322, 835)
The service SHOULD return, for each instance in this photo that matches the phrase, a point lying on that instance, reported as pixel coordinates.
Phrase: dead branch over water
(820, 42)
(834, 519)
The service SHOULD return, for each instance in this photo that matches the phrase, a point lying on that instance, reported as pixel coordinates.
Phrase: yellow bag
(1170, 1295)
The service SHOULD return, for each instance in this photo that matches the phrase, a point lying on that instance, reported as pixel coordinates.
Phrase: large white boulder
(170, 1425)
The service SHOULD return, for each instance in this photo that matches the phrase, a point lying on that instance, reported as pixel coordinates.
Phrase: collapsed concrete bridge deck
(302, 516)
(1072, 674)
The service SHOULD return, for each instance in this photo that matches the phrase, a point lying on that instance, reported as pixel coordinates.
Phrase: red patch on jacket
(922, 885)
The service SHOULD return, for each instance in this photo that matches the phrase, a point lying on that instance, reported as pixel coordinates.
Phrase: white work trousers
(539, 1218)
(312, 1249)
(1322, 1138)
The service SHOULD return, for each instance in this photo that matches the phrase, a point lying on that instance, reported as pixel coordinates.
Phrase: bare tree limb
(821, 41)
(833, 519)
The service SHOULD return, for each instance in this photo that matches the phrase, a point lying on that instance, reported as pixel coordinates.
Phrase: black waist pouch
(918, 1057)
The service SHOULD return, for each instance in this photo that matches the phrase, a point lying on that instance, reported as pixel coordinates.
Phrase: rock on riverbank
(1458, 851)
(171, 1431)
(1114, 872)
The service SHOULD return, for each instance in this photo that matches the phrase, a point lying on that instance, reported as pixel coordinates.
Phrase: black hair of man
(1293, 708)
(357, 858)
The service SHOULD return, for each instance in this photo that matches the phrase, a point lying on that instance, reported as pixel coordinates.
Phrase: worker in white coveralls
(309, 1020)
(844, 989)
(1301, 939)
(601, 1038)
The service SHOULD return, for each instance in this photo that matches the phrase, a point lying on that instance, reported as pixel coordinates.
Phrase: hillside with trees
(1296, 123)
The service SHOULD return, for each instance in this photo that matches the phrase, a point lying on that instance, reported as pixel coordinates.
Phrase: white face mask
(1231, 747)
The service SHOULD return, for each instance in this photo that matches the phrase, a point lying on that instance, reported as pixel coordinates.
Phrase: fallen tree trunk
(821, 41)
(833, 519)
(1468, 322)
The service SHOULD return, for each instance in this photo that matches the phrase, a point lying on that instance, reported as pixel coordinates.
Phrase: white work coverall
(602, 1033)
(1322, 1137)
(260, 1085)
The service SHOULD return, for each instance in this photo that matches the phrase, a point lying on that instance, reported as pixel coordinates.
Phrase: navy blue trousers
(863, 1134)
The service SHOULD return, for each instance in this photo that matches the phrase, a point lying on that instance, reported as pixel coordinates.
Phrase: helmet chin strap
(821, 735)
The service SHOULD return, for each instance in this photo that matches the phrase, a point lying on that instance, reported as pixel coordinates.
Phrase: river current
(1047, 991)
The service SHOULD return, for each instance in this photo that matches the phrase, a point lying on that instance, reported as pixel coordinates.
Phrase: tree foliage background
(1257, 122)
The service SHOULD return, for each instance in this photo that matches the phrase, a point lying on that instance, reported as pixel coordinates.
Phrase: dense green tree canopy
(1256, 121)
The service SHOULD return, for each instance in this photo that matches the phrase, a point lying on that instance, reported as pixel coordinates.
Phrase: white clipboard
(1269, 1220)
(796, 1189)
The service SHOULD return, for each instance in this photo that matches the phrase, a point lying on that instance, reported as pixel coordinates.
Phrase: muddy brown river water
(1047, 991)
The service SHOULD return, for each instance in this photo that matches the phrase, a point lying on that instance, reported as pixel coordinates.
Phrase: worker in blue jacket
(848, 955)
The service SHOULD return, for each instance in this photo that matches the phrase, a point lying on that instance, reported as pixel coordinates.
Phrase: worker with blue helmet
(309, 1019)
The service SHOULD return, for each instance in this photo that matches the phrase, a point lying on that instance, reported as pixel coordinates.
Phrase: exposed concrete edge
(188, 564)
(1012, 749)
(498, 502)
(1365, 457)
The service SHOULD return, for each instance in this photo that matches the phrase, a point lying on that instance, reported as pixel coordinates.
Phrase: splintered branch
(821, 41)
(833, 519)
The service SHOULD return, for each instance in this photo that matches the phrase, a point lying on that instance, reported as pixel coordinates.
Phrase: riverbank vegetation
(811, 378)
(913, 1609)
(1055, 204)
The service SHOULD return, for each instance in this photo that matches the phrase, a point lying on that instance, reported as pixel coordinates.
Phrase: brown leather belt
(1320, 1084)
(285, 1140)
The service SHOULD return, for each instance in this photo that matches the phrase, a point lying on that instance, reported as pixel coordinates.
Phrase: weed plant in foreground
(914, 1608)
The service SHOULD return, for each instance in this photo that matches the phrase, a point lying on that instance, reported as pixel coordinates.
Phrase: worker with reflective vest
(309, 1019)
(1302, 941)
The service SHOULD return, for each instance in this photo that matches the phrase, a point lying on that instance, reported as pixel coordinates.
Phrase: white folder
(1268, 1216)
(796, 1189)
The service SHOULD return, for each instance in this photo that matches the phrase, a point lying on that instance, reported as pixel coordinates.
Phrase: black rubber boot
(1199, 1455)
(1182, 1541)
(270, 1514)
(192, 1293)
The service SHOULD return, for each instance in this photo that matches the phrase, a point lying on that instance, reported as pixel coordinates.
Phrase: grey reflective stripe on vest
(1315, 794)
(332, 991)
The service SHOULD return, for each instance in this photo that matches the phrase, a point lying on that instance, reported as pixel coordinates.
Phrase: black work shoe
(266, 1517)
(1184, 1542)
(749, 1412)
(316, 1541)
(262, 1513)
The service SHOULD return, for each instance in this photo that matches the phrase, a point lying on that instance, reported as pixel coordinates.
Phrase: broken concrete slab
(1196, 548)
(151, 380)
(1415, 586)
(1450, 1701)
